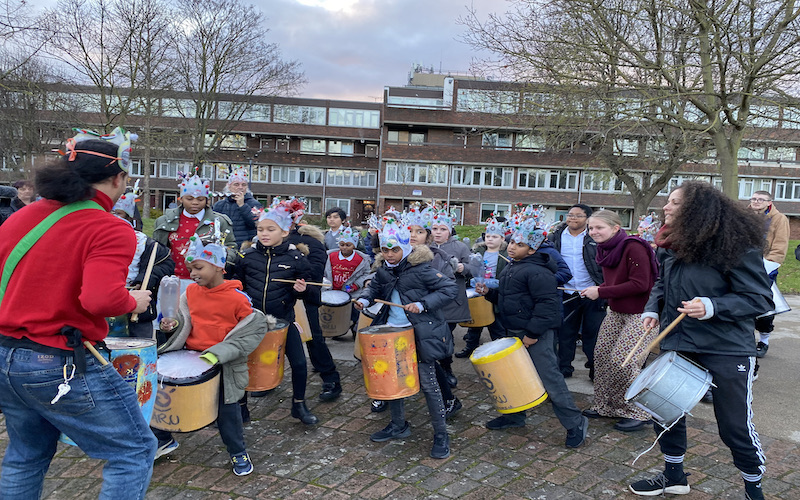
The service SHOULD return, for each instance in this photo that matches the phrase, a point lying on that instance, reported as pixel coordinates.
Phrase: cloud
(351, 49)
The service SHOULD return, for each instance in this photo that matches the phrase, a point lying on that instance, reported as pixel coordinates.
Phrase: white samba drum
(334, 313)
(188, 392)
(781, 306)
(480, 310)
(669, 387)
(364, 320)
(135, 360)
(301, 321)
(389, 362)
(506, 370)
(265, 363)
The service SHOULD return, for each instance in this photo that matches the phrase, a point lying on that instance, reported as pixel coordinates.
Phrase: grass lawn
(788, 279)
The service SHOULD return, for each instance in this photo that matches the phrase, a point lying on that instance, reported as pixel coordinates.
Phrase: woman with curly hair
(711, 270)
(629, 271)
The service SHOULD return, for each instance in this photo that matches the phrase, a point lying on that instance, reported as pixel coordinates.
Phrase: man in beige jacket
(777, 235)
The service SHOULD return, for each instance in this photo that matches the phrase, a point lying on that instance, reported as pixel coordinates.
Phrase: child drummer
(406, 278)
(217, 318)
(528, 300)
(347, 268)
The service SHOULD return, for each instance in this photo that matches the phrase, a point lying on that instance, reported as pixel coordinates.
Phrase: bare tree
(707, 67)
(222, 49)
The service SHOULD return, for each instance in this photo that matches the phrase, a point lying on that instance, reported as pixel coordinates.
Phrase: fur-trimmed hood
(420, 254)
(313, 231)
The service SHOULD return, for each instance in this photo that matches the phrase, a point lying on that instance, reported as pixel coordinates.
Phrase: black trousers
(318, 350)
(733, 396)
(582, 316)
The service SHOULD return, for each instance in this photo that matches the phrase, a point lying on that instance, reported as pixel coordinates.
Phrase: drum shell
(669, 387)
(301, 321)
(781, 306)
(365, 319)
(481, 311)
(265, 363)
(135, 361)
(185, 405)
(510, 376)
(334, 313)
(389, 362)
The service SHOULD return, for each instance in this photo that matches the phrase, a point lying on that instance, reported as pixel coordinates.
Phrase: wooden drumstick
(146, 280)
(666, 331)
(639, 343)
(94, 352)
(279, 280)
(379, 301)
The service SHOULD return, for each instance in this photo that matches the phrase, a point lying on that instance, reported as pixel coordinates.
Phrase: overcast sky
(351, 49)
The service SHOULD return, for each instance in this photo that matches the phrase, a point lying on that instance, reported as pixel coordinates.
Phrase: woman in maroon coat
(629, 271)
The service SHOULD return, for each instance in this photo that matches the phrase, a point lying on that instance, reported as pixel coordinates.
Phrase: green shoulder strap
(33, 236)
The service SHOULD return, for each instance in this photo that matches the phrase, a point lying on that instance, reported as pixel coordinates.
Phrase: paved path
(336, 460)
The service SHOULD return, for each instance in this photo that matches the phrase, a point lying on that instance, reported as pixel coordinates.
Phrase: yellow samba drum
(480, 310)
(506, 370)
(389, 361)
(188, 392)
(265, 364)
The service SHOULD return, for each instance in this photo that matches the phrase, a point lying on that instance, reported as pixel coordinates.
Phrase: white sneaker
(169, 447)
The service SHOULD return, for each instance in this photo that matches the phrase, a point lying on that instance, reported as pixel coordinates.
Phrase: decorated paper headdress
(193, 186)
(213, 253)
(442, 217)
(648, 226)
(280, 213)
(417, 216)
(529, 234)
(394, 235)
(238, 175)
(494, 227)
(127, 202)
(119, 137)
(347, 235)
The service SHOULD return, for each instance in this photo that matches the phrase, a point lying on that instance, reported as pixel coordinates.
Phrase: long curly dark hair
(712, 229)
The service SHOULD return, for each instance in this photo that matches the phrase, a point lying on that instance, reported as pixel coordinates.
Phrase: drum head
(381, 329)
(184, 367)
(494, 347)
(118, 343)
(335, 298)
(650, 375)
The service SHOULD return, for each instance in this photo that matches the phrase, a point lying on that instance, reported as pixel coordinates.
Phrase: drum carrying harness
(21, 249)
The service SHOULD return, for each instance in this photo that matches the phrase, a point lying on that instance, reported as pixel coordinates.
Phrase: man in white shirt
(581, 315)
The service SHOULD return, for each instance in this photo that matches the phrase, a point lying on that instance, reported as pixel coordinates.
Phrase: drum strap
(30, 239)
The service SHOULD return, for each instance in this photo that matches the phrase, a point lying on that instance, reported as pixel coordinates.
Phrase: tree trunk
(728, 157)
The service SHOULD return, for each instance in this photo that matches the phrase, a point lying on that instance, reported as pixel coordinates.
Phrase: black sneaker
(755, 372)
(378, 406)
(441, 446)
(330, 391)
(451, 407)
(166, 448)
(465, 352)
(391, 432)
(761, 349)
(505, 422)
(660, 485)
(752, 491)
(577, 436)
(452, 381)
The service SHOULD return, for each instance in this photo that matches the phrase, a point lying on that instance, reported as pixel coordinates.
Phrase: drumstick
(379, 301)
(639, 343)
(666, 331)
(293, 281)
(146, 280)
(94, 352)
(568, 289)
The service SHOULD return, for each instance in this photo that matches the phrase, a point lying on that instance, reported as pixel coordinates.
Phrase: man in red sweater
(68, 279)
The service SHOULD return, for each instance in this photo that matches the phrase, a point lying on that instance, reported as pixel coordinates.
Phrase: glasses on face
(758, 200)
(575, 216)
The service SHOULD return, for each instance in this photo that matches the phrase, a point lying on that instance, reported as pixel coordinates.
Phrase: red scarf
(662, 238)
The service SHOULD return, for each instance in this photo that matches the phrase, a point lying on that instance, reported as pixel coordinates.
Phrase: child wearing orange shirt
(217, 318)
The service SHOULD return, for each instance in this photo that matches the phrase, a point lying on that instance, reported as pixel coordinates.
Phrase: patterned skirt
(618, 334)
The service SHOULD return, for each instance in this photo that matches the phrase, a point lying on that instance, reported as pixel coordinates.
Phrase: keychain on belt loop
(64, 387)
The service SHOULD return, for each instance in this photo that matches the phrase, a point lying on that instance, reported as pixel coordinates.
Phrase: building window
(487, 101)
(406, 137)
(343, 203)
(413, 173)
(260, 173)
(530, 142)
(677, 180)
(341, 148)
(602, 182)
(363, 118)
(256, 113)
(751, 153)
(135, 169)
(169, 169)
(498, 209)
(626, 147)
(483, 176)
(748, 186)
(354, 178)
(297, 175)
(312, 146)
(496, 140)
(534, 178)
(308, 115)
(179, 108)
(782, 154)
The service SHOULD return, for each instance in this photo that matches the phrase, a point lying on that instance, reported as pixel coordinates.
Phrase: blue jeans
(100, 413)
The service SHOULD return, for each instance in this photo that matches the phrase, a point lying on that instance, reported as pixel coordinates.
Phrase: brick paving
(336, 460)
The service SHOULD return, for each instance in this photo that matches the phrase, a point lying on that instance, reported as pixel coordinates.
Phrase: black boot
(301, 412)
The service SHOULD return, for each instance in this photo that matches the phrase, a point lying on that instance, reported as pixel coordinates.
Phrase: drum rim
(201, 378)
(387, 327)
(345, 299)
(145, 341)
(516, 344)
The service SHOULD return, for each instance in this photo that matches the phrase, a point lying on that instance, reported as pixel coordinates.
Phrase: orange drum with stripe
(265, 364)
(389, 361)
(506, 370)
